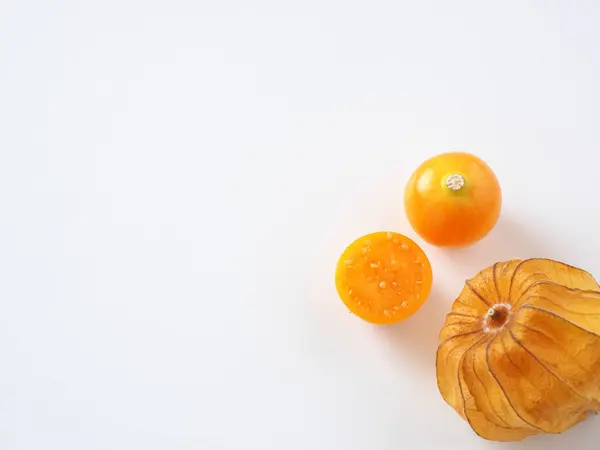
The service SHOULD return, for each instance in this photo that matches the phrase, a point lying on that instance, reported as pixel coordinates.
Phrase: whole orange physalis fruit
(519, 353)
(383, 277)
(453, 199)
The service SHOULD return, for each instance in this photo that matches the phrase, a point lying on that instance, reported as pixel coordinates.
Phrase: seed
(382, 284)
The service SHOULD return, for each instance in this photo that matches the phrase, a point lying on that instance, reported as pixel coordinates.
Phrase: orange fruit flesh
(383, 277)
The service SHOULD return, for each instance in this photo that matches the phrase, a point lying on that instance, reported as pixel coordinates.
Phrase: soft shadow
(583, 436)
(416, 338)
(508, 240)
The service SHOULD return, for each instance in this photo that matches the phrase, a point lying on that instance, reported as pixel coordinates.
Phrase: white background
(178, 178)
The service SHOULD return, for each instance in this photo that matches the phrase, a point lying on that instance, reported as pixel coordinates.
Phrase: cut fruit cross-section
(383, 277)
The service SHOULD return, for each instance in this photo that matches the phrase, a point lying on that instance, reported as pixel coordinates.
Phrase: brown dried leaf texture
(519, 353)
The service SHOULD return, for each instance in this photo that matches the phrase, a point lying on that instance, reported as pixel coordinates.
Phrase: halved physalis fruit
(383, 277)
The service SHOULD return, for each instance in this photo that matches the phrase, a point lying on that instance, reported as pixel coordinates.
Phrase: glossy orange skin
(446, 217)
(383, 277)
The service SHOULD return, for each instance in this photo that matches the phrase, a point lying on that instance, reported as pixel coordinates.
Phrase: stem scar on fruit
(453, 199)
(383, 277)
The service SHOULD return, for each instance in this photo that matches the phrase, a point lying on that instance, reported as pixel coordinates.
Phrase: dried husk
(519, 353)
